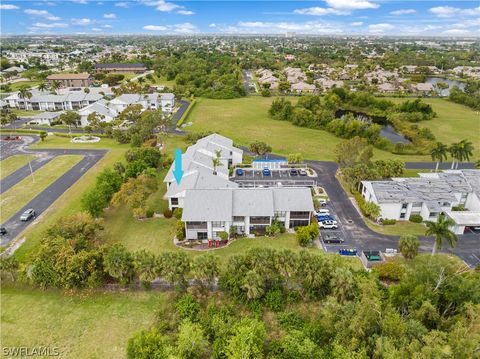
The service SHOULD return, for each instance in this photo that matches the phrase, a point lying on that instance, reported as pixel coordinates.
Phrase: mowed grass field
(25, 190)
(83, 325)
(246, 120)
(13, 163)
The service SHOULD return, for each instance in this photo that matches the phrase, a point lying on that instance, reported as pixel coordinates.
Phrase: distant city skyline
(160, 17)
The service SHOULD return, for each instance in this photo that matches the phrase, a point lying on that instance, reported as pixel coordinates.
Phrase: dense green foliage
(343, 113)
(469, 97)
(201, 73)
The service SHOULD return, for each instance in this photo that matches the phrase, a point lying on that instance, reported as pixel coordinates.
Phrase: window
(433, 214)
(196, 225)
(260, 220)
(417, 204)
(280, 213)
(202, 235)
(218, 224)
(174, 201)
(402, 215)
(444, 204)
(238, 218)
(404, 205)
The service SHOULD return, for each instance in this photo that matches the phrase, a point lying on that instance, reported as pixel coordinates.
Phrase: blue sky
(327, 17)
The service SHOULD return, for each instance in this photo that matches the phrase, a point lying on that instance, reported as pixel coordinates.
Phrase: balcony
(264, 221)
(300, 215)
(196, 225)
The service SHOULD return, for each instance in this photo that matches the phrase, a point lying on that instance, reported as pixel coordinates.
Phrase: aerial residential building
(154, 101)
(71, 80)
(208, 212)
(101, 108)
(136, 68)
(45, 101)
(427, 196)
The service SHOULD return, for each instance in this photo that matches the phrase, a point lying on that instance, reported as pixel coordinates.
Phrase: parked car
(326, 218)
(27, 215)
(239, 172)
(293, 172)
(323, 202)
(332, 238)
(327, 225)
(302, 172)
(266, 172)
(322, 211)
(3, 231)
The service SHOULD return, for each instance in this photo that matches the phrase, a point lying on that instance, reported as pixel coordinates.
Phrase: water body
(387, 131)
(451, 83)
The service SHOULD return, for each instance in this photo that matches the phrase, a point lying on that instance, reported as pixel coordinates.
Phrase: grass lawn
(399, 228)
(17, 85)
(13, 163)
(80, 325)
(414, 172)
(24, 191)
(246, 120)
(24, 113)
(454, 122)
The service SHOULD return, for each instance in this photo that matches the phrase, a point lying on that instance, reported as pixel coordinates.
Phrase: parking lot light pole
(31, 171)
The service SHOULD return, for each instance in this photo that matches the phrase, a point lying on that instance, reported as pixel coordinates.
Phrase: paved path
(358, 235)
(44, 199)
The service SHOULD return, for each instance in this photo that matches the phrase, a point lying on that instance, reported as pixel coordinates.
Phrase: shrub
(275, 300)
(150, 212)
(460, 208)
(290, 320)
(177, 213)
(392, 270)
(187, 307)
(306, 234)
(388, 222)
(223, 235)
(180, 230)
(416, 218)
(167, 213)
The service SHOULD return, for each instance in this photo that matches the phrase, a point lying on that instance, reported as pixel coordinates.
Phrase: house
(208, 212)
(44, 118)
(45, 101)
(101, 108)
(289, 57)
(153, 101)
(14, 70)
(427, 196)
(423, 87)
(303, 87)
(198, 168)
(327, 84)
(136, 68)
(386, 88)
(71, 80)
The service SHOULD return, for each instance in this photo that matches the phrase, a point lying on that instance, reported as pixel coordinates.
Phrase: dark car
(239, 172)
(3, 231)
(27, 215)
(266, 172)
(331, 238)
(293, 172)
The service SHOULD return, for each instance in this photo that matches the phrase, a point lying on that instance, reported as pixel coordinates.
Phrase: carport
(463, 220)
(273, 164)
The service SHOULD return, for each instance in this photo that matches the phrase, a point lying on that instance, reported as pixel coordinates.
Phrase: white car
(322, 201)
(321, 211)
(327, 225)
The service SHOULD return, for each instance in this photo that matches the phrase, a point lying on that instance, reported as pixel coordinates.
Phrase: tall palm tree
(253, 285)
(465, 148)
(42, 86)
(55, 86)
(141, 80)
(24, 93)
(439, 154)
(441, 230)
(216, 161)
(455, 153)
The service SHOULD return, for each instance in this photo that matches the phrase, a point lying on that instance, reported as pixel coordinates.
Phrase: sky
(318, 17)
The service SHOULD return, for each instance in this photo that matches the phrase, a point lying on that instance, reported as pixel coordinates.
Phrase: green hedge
(185, 115)
(62, 134)
(388, 222)
(19, 131)
(416, 218)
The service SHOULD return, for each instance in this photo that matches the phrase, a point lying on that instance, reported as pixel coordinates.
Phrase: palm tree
(141, 80)
(455, 153)
(408, 246)
(42, 86)
(216, 161)
(253, 285)
(55, 86)
(23, 93)
(465, 148)
(439, 154)
(441, 230)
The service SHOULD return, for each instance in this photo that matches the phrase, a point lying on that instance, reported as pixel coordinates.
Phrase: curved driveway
(45, 198)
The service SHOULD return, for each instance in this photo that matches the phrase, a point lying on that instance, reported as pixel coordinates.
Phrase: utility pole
(31, 171)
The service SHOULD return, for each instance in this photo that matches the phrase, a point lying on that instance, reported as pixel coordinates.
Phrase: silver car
(27, 215)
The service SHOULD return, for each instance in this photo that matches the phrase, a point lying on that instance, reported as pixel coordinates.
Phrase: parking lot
(277, 177)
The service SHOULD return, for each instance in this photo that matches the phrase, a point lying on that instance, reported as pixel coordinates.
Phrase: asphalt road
(44, 199)
(358, 235)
